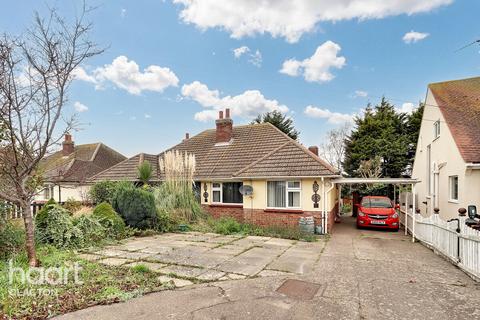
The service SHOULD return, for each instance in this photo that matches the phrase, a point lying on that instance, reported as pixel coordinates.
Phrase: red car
(377, 212)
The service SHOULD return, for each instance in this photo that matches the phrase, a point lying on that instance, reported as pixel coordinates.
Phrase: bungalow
(287, 180)
(447, 160)
(66, 171)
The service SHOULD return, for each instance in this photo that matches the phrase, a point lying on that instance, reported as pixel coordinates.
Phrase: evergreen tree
(279, 120)
(384, 133)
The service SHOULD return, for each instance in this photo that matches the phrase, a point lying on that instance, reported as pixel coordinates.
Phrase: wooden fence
(453, 239)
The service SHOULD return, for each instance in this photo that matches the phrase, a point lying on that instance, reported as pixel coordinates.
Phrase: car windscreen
(376, 203)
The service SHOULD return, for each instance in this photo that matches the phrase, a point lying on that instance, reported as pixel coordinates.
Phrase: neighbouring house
(66, 171)
(288, 180)
(447, 160)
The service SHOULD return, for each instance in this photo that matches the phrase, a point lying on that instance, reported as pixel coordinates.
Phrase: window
(453, 186)
(436, 129)
(283, 194)
(227, 192)
(216, 192)
(46, 193)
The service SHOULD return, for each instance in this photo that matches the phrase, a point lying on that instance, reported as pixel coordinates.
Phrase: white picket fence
(461, 248)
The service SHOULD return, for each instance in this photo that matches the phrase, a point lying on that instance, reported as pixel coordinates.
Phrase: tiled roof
(128, 169)
(85, 161)
(257, 150)
(459, 102)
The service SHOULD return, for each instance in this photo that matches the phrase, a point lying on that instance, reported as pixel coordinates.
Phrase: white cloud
(246, 105)
(290, 19)
(147, 116)
(413, 36)
(123, 12)
(132, 118)
(80, 107)
(407, 107)
(239, 51)
(254, 58)
(80, 74)
(126, 75)
(317, 67)
(332, 117)
(360, 93)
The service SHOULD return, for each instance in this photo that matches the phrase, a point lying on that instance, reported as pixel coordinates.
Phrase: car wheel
(395, 230)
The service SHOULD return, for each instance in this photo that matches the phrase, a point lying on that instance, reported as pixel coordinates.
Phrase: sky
(169, 66)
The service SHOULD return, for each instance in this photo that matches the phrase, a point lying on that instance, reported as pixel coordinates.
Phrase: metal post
(406, 213)
(413, 212)
(324, 216)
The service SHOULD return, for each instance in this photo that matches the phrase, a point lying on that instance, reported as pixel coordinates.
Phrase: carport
(397, 183)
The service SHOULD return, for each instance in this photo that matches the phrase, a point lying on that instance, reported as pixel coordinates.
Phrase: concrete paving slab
(182, 271)
(113, 261)
(178, 283)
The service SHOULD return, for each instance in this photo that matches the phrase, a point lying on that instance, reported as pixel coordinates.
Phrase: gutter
(472, 166)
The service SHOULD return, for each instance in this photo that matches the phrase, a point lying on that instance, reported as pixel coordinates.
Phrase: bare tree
(333, 149)
(36, 71)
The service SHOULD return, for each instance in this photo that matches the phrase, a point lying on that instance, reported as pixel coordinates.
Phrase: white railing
(454, 240)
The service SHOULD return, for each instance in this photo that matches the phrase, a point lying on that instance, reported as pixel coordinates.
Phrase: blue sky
(320, 62)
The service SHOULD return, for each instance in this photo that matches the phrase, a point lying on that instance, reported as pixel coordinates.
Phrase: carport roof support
(376, 180)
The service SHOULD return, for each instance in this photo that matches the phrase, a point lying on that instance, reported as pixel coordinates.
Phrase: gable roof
(257, 150)
(459, 102)
(128, 169)
(85, 161)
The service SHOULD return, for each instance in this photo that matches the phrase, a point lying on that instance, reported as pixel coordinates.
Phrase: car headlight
(394, 216)
(361, 214)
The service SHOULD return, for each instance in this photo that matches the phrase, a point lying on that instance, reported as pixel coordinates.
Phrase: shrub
(110, 220)
(43, 213)
(227, 225)
(72, 205)
(136, 206)
(91, 231)
(103, 191)
(12, 239)
(55, 226)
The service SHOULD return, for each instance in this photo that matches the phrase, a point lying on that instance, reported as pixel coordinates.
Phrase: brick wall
(268, 217)
(218, 211)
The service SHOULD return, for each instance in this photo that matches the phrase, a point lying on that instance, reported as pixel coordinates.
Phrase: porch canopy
(395, 182)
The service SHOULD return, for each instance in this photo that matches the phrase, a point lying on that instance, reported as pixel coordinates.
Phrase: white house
(447, 160)
(66, 171)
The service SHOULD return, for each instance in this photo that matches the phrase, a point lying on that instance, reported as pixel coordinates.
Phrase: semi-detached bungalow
(288, 180)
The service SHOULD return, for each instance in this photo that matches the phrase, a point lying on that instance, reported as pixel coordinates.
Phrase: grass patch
(141, 268)
(227, 226)
(101, 285)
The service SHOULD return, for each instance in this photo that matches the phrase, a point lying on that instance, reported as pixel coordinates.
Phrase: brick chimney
(224, 127)
(314, 150)
(187, 136)
(67, 145)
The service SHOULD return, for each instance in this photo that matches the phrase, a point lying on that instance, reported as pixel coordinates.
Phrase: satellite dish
(246, 190)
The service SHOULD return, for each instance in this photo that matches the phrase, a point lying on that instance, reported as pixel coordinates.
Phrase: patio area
(190, 257)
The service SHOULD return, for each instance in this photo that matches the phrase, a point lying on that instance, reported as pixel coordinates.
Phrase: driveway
(359, 275)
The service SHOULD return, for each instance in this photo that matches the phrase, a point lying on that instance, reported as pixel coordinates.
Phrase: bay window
(283, 194)
(227, 192)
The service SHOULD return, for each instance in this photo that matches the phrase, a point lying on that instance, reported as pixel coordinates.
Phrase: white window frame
(436, 130)
(287, 190)
(450, 188)
(220, 189)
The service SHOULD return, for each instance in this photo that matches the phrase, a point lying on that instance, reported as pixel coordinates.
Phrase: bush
(110, 220)
(227, 225)
(12, 239)
(72, 205)
(91, 231)
(103, 191)
(54, 226)
(136, 206)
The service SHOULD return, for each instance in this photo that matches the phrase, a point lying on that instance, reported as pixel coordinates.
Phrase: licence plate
(377, 222)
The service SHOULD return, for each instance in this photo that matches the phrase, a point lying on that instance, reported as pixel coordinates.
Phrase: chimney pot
(220, 114)
(68, 145)
(314, 150)
(187, 136)
(227, 113)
